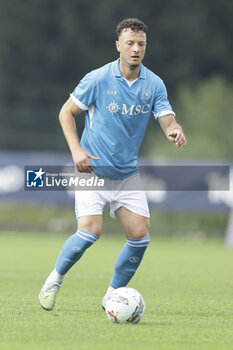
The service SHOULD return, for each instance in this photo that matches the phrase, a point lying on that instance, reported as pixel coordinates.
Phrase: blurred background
(48, 46)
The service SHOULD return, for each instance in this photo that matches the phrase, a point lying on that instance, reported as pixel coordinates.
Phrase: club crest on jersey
(146, 95)
(114, 108)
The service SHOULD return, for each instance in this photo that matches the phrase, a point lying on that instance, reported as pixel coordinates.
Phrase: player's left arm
(172, 130)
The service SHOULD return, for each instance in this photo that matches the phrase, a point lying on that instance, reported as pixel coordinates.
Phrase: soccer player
(118, 99)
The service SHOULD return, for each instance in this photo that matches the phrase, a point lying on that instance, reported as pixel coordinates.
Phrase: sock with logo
(128, 261)
(73, 249)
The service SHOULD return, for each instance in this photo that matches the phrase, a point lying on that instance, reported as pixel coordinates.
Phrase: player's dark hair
(133, 23)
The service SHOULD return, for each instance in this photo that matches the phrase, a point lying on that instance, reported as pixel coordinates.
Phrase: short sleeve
(84, 95)
(161, 106)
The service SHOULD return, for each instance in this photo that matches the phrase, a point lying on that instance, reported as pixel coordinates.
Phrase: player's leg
(136, 228)
(89, 230)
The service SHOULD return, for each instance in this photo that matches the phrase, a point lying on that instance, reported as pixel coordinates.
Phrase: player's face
(132, 46)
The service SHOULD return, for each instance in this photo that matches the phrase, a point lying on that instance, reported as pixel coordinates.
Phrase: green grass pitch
(187, 287)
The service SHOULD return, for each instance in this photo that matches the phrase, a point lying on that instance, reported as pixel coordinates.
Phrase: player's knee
(91, 226)
(141, 230)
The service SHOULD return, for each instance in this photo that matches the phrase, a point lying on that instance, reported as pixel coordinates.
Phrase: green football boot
(48, 295)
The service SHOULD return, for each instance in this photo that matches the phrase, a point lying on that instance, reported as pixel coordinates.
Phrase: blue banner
(186, 186)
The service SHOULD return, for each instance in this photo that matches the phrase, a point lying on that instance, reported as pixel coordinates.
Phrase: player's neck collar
(116, 70)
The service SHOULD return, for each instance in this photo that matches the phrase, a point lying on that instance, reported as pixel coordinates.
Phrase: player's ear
(117, 43)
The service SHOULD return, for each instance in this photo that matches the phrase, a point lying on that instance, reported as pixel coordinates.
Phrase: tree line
(47, 46)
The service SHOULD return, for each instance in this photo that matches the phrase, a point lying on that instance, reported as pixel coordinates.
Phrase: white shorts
(93, 202)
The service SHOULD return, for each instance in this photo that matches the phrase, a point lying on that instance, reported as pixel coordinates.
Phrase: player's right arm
(80, 157)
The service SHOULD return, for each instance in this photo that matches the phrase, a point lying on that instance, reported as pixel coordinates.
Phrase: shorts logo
(134, 259)
(35, 178)
(146, 95)
(84, 204)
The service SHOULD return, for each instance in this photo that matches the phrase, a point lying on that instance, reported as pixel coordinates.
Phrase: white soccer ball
(125, 305)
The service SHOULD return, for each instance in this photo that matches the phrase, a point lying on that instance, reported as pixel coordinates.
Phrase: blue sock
(128, 261)
(73, 249)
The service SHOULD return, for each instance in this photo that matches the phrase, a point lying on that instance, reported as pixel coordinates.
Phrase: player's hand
(177, 136)
(82, 163)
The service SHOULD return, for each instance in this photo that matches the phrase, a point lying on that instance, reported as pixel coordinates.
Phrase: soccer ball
(125, 305)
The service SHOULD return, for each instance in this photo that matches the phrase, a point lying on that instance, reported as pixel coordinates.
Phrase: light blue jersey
(117, 116)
